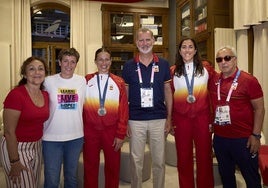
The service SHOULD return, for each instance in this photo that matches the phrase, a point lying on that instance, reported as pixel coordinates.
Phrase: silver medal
(190, 99)
(102, 111)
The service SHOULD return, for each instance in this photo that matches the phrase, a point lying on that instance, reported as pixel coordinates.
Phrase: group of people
(43, 121)
(59, 116)
(228, 104)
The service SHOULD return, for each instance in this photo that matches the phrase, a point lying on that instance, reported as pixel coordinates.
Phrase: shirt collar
(155, 58)
(230, 77)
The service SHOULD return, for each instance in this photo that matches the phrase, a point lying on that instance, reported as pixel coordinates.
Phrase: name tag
(222, 115)
(146, 97)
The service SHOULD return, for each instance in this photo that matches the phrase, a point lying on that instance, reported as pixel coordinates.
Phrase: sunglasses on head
(226, 58)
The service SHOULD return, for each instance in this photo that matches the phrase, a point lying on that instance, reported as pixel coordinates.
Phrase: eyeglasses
(226, 58)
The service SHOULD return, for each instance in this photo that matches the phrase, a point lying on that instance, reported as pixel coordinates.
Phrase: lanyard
(233, 87)
(140, 77)
(190, 87)
(102, 97)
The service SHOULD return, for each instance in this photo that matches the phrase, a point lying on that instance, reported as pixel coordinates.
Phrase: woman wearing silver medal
(105, 122)
(191, 116)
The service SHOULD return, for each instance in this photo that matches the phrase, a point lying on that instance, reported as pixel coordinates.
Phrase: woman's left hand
(118, 143)
(15, 172)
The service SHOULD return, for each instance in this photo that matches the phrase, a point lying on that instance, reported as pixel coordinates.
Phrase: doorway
(50, 32)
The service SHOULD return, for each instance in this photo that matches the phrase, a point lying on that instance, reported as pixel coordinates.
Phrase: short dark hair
(69, 52)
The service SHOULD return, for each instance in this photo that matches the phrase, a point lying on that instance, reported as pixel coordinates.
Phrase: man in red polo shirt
(237, 100)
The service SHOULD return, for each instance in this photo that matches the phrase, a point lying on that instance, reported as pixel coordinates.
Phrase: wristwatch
(258, 136)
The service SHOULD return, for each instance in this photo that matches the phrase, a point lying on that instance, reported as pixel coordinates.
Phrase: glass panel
(50, 55)
(50, 25)
(185, 21)
(202, 48)
(200, 16)
(154, 23)
(118, 60)
(122, 28)
(56, 64)
(42, 52)
(50, 33)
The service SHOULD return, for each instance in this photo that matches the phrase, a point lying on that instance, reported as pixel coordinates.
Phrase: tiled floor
(171, 180)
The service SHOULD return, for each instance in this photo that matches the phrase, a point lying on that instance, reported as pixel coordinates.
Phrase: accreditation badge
(146, 97)
(156, 68)
(222, 115)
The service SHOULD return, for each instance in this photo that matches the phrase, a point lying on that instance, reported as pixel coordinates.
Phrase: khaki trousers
(154, 130)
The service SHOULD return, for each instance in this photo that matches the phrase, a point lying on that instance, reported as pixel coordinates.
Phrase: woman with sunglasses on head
(237, 100)
(191, 116)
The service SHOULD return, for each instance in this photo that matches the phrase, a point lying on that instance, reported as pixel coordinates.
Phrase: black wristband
(258, 136)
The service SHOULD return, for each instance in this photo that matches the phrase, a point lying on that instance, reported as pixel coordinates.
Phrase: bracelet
(14, 160)
(258, 136)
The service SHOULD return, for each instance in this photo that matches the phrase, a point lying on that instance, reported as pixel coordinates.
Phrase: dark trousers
(232, 153)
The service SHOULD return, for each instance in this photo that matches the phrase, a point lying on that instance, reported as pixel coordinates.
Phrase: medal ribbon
(190, 88)
(102, 98)
(140, 77)
(233, 87)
